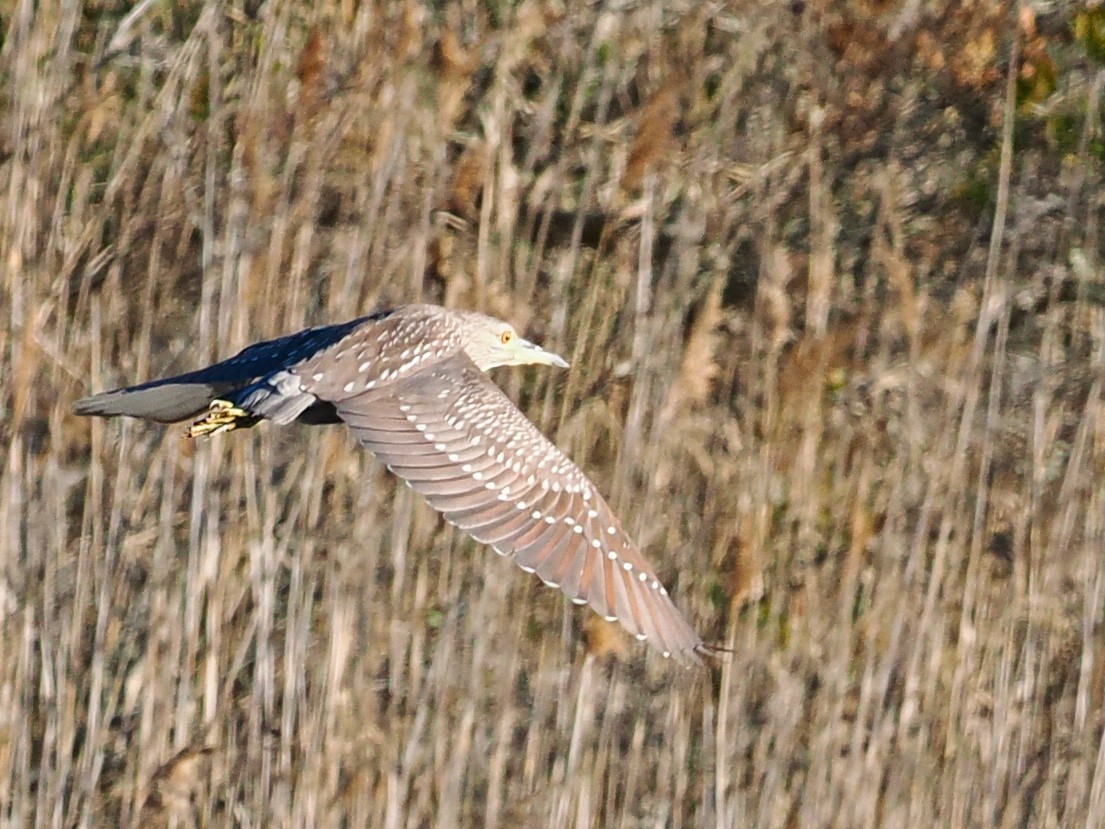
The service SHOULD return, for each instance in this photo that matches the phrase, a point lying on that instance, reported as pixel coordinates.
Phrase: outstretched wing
(453, 435)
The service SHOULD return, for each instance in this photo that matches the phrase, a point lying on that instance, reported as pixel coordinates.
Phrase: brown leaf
(309, 71)
(470, 173)
(410, 33)
(975, 64)
(174, 784)
(455, 66)
(654, 139)
(603, 638)
(699, 367)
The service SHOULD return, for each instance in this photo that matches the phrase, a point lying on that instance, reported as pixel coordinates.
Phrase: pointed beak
(534, 354)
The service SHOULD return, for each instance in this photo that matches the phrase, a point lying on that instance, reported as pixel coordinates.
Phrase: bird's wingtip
(712, 652)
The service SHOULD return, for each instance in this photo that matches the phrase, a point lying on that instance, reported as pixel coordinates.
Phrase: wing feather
(458, 440)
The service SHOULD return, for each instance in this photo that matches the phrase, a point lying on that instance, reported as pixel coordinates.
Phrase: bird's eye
(506, 337)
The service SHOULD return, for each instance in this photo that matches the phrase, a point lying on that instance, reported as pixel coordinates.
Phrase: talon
(222, 416)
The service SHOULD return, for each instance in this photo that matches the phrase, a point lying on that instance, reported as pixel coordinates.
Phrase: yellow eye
(506, 337)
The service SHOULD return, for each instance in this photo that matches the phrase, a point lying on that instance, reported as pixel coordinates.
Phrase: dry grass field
(829, 276)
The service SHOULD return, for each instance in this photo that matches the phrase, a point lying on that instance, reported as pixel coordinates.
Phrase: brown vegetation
(829, 278)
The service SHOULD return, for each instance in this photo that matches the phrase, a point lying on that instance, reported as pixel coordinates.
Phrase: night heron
(410, 383)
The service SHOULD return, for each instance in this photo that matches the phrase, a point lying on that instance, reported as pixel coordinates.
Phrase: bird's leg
(222, 416)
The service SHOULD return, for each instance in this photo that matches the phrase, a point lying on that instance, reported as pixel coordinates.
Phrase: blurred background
(828, 274)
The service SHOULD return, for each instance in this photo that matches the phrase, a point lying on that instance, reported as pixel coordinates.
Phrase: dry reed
(852, 410)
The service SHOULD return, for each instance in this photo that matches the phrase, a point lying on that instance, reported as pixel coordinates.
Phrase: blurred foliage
(841, 380)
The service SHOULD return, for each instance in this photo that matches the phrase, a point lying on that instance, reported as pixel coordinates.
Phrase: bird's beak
(534, 354)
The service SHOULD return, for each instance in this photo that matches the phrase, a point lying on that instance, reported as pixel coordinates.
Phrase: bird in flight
(411, 384)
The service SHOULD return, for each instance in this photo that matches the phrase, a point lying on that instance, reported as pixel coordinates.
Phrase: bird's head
(491, 342)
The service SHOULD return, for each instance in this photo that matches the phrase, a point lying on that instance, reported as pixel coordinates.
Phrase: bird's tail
(164, 401)
(220, 406)
(170, 401)
(256, 381)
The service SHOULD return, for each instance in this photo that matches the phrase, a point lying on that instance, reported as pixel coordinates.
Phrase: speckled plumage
(411, 385)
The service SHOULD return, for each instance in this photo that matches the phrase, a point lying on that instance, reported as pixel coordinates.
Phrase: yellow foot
(222, 416)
